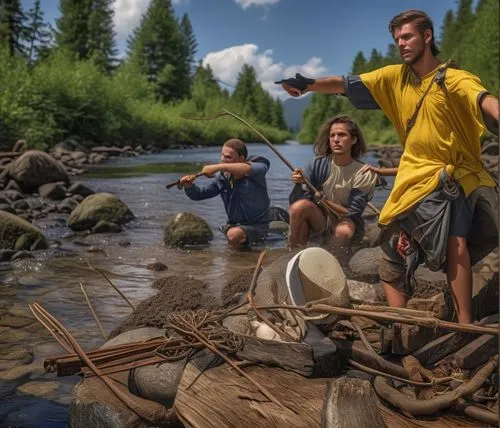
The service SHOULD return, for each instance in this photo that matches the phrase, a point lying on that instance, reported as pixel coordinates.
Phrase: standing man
(241, 183)
(443, 199)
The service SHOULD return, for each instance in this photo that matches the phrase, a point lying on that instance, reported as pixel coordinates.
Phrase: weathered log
(357, 352)
(447, 344)
(296, 357)
(407, 338)
(350, 403)
(10, 154)
(476, 352)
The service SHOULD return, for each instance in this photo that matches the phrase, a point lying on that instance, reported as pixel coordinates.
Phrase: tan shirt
(343, 179)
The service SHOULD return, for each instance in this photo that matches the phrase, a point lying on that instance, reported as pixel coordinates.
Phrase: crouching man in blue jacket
(241, 183)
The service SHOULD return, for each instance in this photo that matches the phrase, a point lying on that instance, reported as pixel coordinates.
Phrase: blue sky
(278, 37)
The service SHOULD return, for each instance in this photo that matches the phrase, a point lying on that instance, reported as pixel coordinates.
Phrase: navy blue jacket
(246, 200)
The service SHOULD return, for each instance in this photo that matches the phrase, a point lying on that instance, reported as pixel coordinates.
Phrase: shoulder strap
(439, 78)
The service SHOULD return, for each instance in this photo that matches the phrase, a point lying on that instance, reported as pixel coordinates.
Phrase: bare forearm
(328, 85)
(388, 172)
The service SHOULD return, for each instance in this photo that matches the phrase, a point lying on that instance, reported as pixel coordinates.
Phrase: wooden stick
(111, 283)
(152, 412)
(175, 183)
(99, 325)
(436, 381)
(421, 322)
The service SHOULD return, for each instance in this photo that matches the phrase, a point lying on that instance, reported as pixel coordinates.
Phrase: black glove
(300, 82)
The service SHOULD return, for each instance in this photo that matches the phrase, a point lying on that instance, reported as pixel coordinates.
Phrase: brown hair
(238, 146)
(421, 20)
(322, 144)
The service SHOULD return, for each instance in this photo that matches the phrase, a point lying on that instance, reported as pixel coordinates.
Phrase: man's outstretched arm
(237, 170)
(299, 85)
(489, 109)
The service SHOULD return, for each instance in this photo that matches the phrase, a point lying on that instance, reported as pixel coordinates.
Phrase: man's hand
(186, 182)
(296, 86)
(298, 176)
(210, 170)
(403, 244)
(368, 167)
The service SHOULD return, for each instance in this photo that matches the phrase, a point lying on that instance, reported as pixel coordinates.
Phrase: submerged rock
(18, 234)
(187, 229)
(97, 207)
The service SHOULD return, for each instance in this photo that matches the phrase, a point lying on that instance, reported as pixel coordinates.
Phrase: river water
(28, 396)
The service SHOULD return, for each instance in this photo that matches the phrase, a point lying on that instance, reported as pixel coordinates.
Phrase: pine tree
(205, 87)
(446, 37)
(359, 64)
(101, 34)
(480, 50)
(277, 115)
(157, 47)
(72, 32)
(12, 27)
(189, 39)
(38, 33)
(376, 60)
(461, 27)
(245, 93)
(392, 56)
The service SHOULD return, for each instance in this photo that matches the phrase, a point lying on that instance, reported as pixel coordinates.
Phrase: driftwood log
(220, 397)
(351, 403)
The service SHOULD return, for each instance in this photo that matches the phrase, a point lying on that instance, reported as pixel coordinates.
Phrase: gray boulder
(104, 226)
(97, 207)
(364, 264)
(54, 191)
(18, 234)
(35, 168)
(186, 229)
(80, 189)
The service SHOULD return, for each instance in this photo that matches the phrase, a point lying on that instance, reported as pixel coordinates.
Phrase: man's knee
(345, 231)
(457, 246)
(300, 208)
(236, 237)
(391, 266)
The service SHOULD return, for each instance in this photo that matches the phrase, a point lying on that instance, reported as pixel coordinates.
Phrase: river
(28, 396)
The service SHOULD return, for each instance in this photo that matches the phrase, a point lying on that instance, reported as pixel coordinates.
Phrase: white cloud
(128, 14)
(227, 63)
(245, 4)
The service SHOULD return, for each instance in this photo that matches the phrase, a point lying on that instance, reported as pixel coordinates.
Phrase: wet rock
(96, 207)
(364, 264)
(12, 195)
(67, 205)
(12, 378)
(12, 185)
(80, 189)
(104, 226)
(94, 249)
(7, 208)
(186, 229)
(9, 320)
(20, 255)
(35, 168)
(78, 198)
(20, 146)
(124, 243)
(6, 255)
(156, 267)
(21, 205)
(54, 191)
(277, 213)
(365, 293)
(39, 389)
(18, 234)
(279, 227)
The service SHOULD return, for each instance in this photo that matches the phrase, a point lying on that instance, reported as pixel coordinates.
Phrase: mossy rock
(17, 234)
(186, 229)
(97, 207)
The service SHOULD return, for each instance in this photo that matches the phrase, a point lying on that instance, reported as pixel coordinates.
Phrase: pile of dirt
(239, 283)
(176, 293)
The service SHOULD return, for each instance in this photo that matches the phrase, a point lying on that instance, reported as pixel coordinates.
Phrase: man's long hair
(322, 144)
(421, 20)
(238, 146)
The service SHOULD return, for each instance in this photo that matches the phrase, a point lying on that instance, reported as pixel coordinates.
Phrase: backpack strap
(439, 78)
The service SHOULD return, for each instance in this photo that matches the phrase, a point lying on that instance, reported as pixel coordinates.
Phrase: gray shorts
(392, 266)
(256, 233)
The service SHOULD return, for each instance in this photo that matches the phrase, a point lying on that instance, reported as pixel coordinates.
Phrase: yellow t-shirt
(445, 135)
